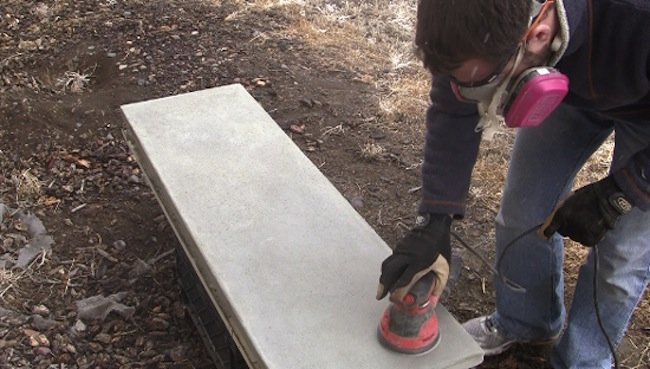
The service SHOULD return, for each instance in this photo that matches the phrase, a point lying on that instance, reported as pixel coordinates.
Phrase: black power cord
(496, 270)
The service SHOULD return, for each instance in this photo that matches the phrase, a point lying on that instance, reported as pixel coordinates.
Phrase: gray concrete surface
(291, 266)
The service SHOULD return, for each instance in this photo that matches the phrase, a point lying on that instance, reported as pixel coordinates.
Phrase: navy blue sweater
(608, 64)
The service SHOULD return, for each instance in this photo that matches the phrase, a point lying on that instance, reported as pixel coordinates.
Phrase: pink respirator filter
(535, 98)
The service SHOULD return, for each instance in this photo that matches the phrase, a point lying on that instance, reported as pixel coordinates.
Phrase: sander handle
(421, 291)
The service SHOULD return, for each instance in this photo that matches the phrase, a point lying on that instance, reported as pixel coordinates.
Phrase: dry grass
(372, 151)
(28, 187)
(74, 82)
(374, 38)
(10, 279)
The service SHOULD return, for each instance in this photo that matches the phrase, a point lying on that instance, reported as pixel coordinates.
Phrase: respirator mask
(525, 100)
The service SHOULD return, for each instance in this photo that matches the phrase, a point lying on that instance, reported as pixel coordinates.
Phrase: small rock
(70, 348)
(79, 326)
(119, 244)
(111, 54)
(134, 179)
(41, 310)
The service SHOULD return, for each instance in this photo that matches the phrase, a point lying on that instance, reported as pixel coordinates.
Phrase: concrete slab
(290, 265)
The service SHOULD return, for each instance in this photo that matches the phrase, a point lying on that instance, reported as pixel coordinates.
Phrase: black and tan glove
(425, 248)
(589, 213)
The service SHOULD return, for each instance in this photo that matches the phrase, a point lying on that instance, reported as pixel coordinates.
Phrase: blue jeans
(542, 170)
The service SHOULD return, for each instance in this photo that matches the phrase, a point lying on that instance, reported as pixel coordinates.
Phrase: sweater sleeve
(634, 179)
(450, 151)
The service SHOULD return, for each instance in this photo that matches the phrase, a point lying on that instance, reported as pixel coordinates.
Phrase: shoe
(486, 334)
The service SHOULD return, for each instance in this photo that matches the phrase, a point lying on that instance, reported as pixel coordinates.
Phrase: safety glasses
(481, 90)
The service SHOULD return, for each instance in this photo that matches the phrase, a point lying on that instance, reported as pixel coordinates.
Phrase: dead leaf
(84, 163)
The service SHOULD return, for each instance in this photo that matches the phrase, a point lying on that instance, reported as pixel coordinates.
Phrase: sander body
(411, 326)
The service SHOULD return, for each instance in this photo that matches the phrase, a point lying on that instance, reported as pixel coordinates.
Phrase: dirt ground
(332, 77)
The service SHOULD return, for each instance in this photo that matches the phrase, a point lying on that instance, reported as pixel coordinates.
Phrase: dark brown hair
(449, 32)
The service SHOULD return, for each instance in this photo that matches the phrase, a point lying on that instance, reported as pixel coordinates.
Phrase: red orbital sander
(411, 326)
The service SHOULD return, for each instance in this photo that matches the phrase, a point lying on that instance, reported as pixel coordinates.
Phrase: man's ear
(539, 39)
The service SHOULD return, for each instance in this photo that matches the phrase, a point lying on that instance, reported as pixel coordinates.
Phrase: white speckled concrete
(289, 263)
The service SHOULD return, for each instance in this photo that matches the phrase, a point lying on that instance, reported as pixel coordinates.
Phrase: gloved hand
(589, 213)
(425, 248)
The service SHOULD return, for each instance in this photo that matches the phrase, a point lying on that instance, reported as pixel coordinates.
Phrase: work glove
(425, 248)
(589, 213)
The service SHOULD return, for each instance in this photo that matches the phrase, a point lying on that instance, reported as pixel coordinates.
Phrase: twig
(106, 255)
(402, 225)
(414, 189)
(43, 254)
(67, 281)
(331, 130)
(154, 260)
(76, 209)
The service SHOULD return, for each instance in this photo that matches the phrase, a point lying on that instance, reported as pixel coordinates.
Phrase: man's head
(493, 49)
(474, 41)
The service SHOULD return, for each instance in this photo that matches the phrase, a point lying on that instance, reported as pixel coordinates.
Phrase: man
(491, 62)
